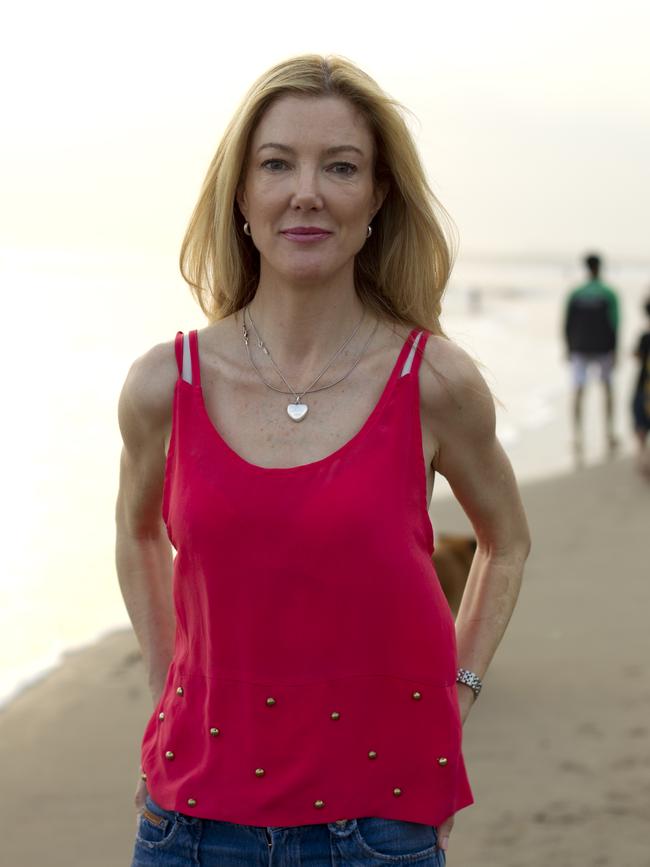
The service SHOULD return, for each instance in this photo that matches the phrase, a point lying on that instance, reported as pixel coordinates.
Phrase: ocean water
(77, 321)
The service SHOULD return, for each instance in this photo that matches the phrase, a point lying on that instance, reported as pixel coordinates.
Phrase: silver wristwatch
(470, 679)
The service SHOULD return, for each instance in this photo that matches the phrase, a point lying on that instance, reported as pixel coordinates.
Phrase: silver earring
(369, 232)
(247, 229)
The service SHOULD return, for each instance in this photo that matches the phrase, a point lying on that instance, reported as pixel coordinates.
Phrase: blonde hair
(401, 271)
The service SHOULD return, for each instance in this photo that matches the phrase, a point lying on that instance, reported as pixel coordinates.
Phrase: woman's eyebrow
(328, 151)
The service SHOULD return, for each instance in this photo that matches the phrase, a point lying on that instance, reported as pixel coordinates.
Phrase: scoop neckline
(197, 388)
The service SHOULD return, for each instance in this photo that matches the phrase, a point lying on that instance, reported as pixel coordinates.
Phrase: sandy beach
(557, 746)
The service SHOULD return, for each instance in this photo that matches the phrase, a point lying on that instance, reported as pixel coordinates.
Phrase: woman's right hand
(139, 798)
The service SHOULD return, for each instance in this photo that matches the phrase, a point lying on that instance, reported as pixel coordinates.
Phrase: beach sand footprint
(572, 767)
(589, 729)
(638, 732)
(134, 657)
(563, 813)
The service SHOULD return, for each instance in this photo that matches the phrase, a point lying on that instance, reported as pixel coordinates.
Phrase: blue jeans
(171, 839)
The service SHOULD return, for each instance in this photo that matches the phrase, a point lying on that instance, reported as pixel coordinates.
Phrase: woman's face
(309, 169)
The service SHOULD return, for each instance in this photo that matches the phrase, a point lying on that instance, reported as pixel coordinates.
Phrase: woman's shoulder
(146, 397)
(443, 357)
(452, 386)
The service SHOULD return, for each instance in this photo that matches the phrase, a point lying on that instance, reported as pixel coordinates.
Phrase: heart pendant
(297, 411)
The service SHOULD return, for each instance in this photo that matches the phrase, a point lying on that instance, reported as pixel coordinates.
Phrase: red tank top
(313, 676)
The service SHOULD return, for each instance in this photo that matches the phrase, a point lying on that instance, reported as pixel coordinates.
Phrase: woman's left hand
(444, 831)
(466, 699)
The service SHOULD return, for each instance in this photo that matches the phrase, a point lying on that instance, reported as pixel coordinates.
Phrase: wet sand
(557, 746)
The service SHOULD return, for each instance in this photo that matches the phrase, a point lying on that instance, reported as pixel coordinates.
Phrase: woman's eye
(272, 164)
(346, 169)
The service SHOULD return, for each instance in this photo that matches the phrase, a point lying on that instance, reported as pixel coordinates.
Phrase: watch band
(470, 679)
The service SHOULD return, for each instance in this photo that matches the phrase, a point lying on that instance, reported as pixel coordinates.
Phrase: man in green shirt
(590, 329)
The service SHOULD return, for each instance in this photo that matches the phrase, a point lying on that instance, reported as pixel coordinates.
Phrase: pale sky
(533, 120)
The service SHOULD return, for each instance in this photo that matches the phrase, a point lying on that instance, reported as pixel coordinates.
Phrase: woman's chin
(307, 272)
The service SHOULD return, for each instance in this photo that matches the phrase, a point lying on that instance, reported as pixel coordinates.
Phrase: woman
(308, 681)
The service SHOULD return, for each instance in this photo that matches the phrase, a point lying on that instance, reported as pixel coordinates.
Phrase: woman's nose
(306, 192)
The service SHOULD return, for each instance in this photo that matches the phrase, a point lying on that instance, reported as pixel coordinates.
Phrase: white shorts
(580, 364)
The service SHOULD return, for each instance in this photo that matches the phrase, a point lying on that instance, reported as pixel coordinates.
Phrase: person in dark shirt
(590, 330)
(641, 399)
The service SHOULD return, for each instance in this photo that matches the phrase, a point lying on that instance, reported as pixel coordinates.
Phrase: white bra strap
(409, 361)
(187, 361)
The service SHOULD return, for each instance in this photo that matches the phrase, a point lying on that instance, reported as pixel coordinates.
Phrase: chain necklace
(298, 410)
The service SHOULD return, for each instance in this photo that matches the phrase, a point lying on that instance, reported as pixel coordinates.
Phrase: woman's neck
(304, 327)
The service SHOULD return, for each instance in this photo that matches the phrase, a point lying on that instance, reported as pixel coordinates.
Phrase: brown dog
(452, 559)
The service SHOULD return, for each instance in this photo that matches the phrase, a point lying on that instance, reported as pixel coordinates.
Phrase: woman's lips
(303, 237)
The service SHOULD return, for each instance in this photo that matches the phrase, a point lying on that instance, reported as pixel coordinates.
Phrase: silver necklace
(298, 410)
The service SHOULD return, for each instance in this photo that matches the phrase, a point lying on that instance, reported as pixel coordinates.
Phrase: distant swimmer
(641, 399)
(590, 328)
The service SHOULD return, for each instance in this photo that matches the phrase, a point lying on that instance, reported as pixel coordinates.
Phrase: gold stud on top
(169, 755)
(442, 761)
(191, 802)
(416, 695)
(397, 792)
(270, 701)
(335, 714)
(259, 772)
(214, 732)
(180, 690)
(161, 715)
(372, 754)
(319, 804)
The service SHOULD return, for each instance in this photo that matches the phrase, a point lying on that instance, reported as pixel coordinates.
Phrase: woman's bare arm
(143, 553)
(472, 460)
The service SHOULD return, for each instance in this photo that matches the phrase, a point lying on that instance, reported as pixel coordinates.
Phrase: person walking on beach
(309, 683)
(590, 329)
(641, 398)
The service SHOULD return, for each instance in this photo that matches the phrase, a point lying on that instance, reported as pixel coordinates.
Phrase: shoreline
(35, 678)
